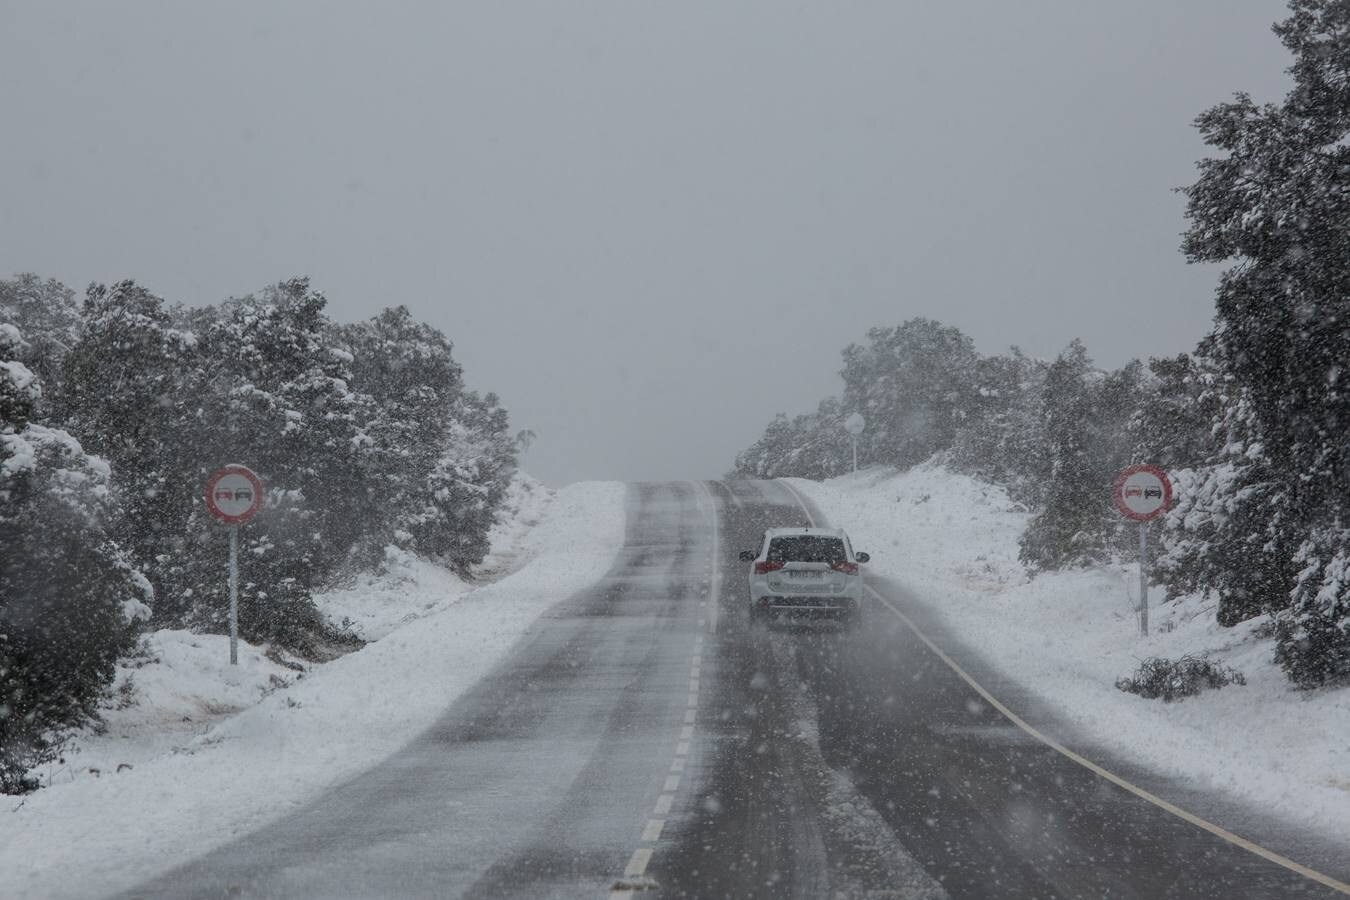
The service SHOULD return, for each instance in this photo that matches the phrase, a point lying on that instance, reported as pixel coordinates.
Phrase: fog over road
(648, 740)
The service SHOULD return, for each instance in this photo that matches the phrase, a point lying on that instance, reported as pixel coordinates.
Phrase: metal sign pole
(234, 595)
(1143, 579)
(855, 453)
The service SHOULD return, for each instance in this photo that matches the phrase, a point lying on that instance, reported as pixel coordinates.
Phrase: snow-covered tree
(449, 518)
(812, 445)
(1085, 417)
(275, 397)
(1000, 437)
(69, 597)
(49, 317)
(1276, 206)
(1173, 426)
(131, 392)
(413, 385)
(363, 435)
(911, 383)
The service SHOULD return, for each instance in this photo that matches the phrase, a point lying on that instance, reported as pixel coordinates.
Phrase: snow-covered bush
(1176, 679)
(464, 490)
(69, 598)
(813, 445)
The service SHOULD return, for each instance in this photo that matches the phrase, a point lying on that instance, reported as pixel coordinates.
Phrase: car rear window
(806, 548)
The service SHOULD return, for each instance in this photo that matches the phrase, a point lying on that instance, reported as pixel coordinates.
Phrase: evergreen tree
(812, 445)
(911, 383)
(276, 398)
(1173, 427)
(1276, 205)
(1063, 532)
(1086, 416)
(69, 598)
(131, 391)
(413, 385)
(457, 505)
(49, 318)
(1000, 438)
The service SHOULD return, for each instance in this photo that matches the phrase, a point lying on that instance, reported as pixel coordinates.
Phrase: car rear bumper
(795, 605)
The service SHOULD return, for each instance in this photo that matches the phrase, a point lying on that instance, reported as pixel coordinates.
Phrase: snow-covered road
(615, 724)
(537, 781)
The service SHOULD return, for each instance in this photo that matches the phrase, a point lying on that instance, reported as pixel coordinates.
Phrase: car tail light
(764, 568)
(847, 568)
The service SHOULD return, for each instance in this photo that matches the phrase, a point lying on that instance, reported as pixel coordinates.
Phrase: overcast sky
(648, 227)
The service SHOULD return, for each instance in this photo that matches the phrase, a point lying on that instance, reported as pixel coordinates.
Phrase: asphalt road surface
(648, 740)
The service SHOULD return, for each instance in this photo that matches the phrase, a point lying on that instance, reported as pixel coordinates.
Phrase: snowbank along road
(646, 740)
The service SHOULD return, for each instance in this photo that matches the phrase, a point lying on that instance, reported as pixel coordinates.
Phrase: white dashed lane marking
(651, 831)
(637, 863)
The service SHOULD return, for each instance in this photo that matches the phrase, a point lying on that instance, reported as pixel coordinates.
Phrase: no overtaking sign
(1142, 493)
(233, 496)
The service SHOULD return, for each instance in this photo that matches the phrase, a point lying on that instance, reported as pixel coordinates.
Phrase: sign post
(233, 496)
(854, 425)
(1142, 493)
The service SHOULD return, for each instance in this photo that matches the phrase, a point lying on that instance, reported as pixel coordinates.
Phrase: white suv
(805, 572)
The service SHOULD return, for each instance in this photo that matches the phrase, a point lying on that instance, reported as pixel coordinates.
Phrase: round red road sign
(1142, 492)
(233, 494)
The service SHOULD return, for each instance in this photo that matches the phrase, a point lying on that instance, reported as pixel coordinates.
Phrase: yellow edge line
(1088, 764)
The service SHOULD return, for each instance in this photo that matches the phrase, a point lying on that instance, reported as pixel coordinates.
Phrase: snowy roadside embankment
(240, 763)
(411, 588)
(1066, 637)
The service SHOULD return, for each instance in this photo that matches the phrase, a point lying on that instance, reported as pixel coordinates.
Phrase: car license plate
(807, 575)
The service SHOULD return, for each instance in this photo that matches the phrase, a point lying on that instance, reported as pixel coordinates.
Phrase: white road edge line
(1216, 830)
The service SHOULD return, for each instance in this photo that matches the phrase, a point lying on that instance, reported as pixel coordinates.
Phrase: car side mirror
(862, 557)
(748, 555)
